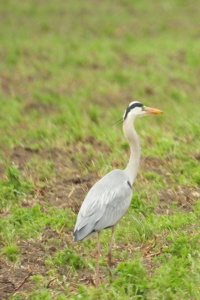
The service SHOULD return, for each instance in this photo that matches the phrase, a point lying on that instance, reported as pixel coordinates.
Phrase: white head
(137, 109)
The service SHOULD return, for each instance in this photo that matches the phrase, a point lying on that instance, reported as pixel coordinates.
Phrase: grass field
(68, 70)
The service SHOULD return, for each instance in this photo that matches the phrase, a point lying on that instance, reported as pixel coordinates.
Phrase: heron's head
(137, 109)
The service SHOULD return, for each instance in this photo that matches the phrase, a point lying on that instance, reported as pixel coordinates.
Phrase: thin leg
(98, 256)
(109, 255)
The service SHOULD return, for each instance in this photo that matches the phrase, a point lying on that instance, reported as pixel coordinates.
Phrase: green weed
(132, 278)
(14, 188)
(11, 252)
(67, 258)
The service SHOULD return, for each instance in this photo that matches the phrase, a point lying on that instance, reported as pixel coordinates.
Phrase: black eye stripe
(132, 106)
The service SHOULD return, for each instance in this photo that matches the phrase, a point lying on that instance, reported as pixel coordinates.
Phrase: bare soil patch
(184, 198)
(42, 108)
(22, 155)
(15, 277)
(68, 187)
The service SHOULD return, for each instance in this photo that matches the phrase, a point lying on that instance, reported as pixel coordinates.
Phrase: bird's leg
(109, 255)
(98, 256)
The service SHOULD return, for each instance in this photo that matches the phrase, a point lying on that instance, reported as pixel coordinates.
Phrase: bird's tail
(83, 233)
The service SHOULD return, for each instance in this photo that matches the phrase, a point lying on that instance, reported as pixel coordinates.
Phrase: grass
(67, 73)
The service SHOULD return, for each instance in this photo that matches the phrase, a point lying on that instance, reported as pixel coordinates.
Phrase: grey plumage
(104, 205)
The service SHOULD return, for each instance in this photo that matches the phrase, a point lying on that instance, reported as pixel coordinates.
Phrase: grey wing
(104, 205)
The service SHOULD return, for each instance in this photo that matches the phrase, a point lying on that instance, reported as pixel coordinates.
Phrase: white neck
(134, 160)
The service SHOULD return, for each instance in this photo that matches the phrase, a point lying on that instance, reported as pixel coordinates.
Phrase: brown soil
(68, 188)
(14, 278)
(183, 198)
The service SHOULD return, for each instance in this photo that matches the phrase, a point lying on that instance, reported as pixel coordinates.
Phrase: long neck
(134, 160)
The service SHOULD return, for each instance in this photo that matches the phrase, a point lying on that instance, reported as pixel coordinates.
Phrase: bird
(109, 198)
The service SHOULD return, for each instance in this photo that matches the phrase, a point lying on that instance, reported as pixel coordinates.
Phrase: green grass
(11, 252)
(67, 72)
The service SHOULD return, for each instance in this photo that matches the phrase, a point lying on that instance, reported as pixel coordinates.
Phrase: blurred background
(68, 70)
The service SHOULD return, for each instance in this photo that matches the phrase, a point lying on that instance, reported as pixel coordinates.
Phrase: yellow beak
(150, 110)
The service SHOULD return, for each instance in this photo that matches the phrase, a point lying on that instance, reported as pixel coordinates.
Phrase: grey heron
(109, 198)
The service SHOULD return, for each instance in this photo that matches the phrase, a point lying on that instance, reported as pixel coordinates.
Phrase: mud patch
(15, 278)
(154, 164)
(197, 156)
(6, 83)
(68, 192)
(2, 171)
(21, 155)
(42, 108)
(182, 198)
(67, 187)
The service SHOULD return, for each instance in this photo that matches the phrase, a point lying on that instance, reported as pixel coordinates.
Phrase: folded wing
(105, 204)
